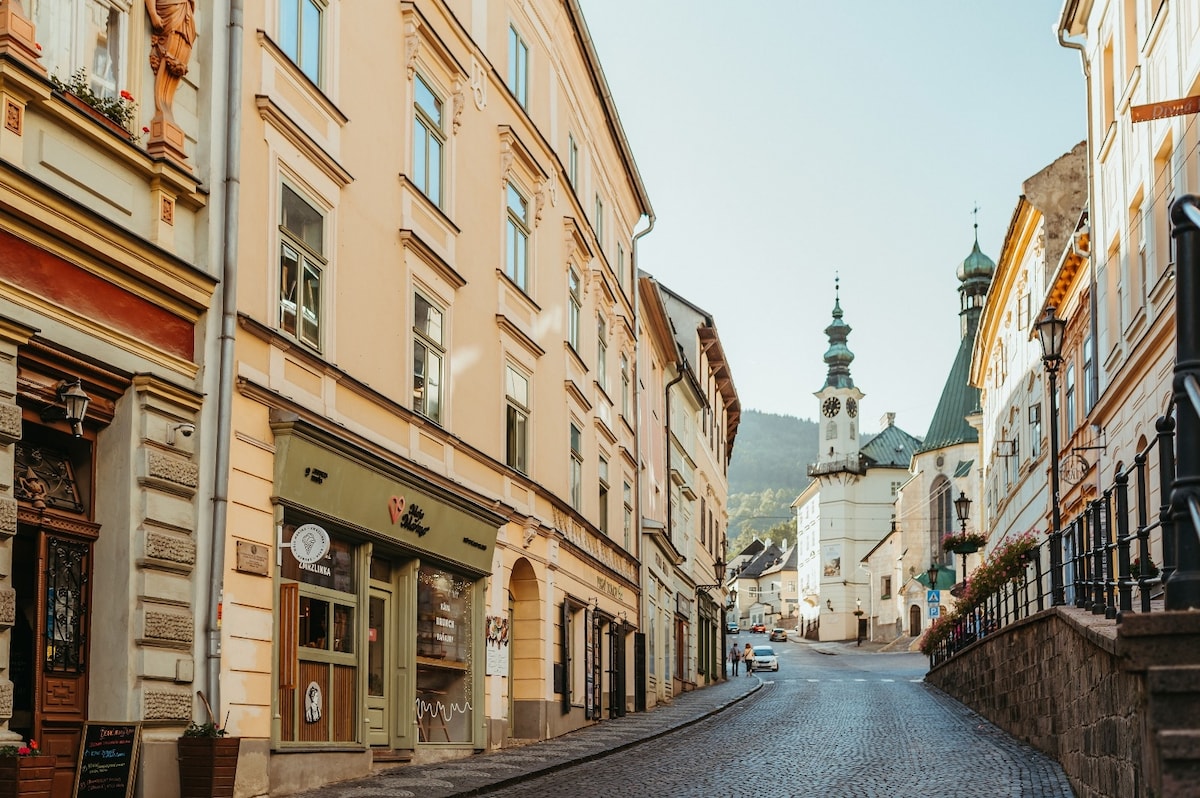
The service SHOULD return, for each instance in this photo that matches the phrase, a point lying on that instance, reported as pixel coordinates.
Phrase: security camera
(185, 429)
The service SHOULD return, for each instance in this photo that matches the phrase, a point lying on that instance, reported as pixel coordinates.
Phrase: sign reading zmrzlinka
(108, 758)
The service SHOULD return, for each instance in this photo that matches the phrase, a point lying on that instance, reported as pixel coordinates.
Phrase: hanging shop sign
(309, 544)
(1162, 110)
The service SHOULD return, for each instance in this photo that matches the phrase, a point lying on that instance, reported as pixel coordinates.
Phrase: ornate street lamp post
(962, 508)
(1050, 334)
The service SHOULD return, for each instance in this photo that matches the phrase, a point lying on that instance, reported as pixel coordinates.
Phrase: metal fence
(1103, 554)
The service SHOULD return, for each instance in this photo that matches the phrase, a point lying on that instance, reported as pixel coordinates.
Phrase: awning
(946, 578)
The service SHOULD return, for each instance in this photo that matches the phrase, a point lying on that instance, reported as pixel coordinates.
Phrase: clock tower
(838, 401)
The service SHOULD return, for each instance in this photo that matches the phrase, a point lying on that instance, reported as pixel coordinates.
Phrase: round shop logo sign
(309, 544)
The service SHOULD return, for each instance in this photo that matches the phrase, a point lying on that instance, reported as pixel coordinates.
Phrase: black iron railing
(1106, 549)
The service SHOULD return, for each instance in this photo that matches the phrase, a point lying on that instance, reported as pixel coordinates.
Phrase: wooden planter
(103, 120)
(208, 766)
(26, 776)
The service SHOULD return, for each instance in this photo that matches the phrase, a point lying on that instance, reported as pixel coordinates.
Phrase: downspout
(667, 451)
(637, 428)
(1093, 324)
(233, 141)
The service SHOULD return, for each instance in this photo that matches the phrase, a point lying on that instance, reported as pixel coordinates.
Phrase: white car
(765, 659)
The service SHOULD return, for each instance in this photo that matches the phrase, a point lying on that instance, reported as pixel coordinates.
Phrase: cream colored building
(434, 351)
(1118, 293)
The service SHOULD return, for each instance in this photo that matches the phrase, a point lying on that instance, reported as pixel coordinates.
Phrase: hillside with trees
(766, 474)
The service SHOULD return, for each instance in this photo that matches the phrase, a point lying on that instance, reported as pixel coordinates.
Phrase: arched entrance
(914, 620)
(526, 640)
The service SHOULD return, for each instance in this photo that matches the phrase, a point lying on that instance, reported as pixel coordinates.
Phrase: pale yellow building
(435, 344)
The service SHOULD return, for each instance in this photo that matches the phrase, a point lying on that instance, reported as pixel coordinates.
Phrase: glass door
(379, 687)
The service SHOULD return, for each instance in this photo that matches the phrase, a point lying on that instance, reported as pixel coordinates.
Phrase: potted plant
(964, 542)
(208, 759)
(24, 772)
(1136, 570)
(118, 113)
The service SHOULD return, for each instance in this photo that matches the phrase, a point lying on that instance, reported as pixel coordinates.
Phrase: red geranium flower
(126, 95)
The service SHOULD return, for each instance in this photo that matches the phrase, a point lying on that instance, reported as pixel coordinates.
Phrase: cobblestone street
(835, 721)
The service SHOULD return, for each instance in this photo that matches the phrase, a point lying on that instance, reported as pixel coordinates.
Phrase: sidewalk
(481, 773)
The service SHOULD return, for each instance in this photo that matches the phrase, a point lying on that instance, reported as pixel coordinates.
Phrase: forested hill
(766, 474)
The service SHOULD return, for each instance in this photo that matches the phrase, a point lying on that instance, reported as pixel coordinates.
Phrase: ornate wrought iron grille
(66, 605)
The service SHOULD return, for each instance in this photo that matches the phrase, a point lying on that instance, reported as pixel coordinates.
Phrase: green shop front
(380, 639)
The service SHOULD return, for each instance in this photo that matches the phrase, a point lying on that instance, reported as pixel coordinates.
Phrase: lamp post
(1050, 334)
(719, 573)
(962, 508)
(932, 575)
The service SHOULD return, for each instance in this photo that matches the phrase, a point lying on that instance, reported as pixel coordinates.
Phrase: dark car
(778, 634)
(758, 628)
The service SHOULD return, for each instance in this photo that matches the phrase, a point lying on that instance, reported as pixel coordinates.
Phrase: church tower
(839, 403)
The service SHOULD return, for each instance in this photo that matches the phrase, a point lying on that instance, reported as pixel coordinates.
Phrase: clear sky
(785, 141)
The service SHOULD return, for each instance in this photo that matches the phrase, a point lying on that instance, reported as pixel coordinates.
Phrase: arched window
(941, 519)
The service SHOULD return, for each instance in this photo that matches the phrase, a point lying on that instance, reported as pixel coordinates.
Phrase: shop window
(445, 667)
(318, 668)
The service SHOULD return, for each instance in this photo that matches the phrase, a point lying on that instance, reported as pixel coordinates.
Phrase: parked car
(758, 628)
(765, 659)
(778, 634)
(732, 628)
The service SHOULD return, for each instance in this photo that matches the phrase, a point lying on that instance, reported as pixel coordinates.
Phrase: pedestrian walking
(735, 656)
(748, 657)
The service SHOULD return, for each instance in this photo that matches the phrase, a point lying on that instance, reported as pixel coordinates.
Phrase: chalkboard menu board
(108, 760)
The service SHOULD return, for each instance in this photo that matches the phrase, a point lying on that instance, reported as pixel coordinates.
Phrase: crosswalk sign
(933, 597)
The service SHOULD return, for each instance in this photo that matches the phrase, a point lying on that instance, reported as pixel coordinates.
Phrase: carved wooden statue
(173, 24)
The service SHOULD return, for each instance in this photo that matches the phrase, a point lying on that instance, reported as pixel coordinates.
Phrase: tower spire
(838, 356)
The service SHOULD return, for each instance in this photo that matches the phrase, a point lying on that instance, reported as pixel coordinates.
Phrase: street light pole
(1050, 334)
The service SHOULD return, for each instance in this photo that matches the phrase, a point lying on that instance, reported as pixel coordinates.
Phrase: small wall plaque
(252, 558)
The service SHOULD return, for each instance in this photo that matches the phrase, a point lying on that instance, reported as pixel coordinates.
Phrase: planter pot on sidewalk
(26, 776)
(208, 766)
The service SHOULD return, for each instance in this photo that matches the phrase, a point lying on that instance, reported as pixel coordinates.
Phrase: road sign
(935, 610)
(933, 597)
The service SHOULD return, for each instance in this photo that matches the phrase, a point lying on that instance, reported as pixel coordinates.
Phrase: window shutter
(289, 628)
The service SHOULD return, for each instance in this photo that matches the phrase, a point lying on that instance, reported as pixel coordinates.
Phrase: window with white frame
(576, 473)
(1069, 400)
(518, 66)
(602, 352)
(602, 494)
(625, 382)
(572, 160)
(627, 498)
(1035, 431)
(1090, 377)
(574, 308)
(428, 141)
(88, 35)
(516, 419)
(300, 24)
(301, 263)
(429, 354)
(517, 240)
(599, 221)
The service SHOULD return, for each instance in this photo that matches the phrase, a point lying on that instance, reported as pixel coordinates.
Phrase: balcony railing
(855, 464)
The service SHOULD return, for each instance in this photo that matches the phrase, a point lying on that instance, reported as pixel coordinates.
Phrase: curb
(511, 781)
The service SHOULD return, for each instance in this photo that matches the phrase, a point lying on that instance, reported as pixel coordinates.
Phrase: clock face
(851, 408)
(831, 407)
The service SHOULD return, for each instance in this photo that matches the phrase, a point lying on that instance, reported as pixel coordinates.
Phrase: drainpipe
(637, 428)
(667, 452)
(1093, 304)
(216, 568)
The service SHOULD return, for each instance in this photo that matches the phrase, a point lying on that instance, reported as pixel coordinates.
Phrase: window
(1014, 462)
(84, 34)
(574, 306)
(603, 494)
(428, 140)
(572, 161)
(885, 587)
(517, 249)
(627, 497)
(428, 357)
(1024, 310)
(602, 352)
(445, 667)
(301, 262)
(1090, 377)
(600, 221)
(300, 35)
(516, 420)
(1035, 431)
(518, 66)
(941, 520)
(1069, 400)
(576, 476)
(318, 608)
(624, 385)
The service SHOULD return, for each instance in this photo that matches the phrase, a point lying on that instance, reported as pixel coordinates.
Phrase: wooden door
(52, 576)
(379, 668)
